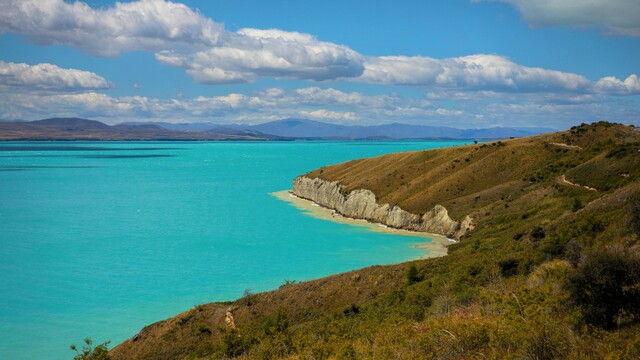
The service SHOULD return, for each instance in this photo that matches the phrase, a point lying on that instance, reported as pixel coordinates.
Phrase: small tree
(412, 275)
(606, 285)
(100, 352)
(577, 204)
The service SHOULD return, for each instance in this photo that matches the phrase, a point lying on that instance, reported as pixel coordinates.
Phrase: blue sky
(467, 64)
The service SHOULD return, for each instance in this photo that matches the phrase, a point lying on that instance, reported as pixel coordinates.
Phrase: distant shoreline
(437, 247)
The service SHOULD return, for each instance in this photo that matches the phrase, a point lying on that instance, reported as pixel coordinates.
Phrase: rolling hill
(302, 128)
(83, 129)
(550, 270)
(310, 129)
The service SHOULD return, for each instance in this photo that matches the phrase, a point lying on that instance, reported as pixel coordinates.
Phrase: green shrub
(606, 286)
(232, 344)
(577, 204)
(509, 267)
(100, 352)
(275, 324)
(412, 275)
(538, 233)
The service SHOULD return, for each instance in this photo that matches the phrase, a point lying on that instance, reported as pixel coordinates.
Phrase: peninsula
(546, 266)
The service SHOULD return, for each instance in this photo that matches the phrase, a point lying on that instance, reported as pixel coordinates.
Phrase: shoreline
(434, 246)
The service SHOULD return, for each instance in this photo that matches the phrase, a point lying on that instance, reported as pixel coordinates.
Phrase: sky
(458, 63)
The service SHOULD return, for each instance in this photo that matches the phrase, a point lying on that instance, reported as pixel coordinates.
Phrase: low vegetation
(552, 269)
(89, 352)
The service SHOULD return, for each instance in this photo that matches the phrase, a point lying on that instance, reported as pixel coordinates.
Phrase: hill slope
(550, 212)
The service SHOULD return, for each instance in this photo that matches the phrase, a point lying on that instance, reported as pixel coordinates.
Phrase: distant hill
(83, 129)
(240, 131)
(199, 126)
(310, 129)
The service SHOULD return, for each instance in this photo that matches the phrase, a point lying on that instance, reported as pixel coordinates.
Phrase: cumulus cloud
(253, 53)
(613, 85)
(475, 72)
(330, 105)
(182, 37)
(313, 102)
(488, 74)
(619, 17)
(19, 76)
(141, 25)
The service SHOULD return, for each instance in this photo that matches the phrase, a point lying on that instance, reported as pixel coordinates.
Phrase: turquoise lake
(98, 239)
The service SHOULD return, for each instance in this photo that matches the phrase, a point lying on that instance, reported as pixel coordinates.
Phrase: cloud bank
(330, 105)
(475, 72)
(182, 37)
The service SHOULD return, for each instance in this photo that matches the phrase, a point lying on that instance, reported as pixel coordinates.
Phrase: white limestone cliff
(362, 204)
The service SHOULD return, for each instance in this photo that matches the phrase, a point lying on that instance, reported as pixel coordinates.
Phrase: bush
(412, 275)
(577, 204)
(100, 352)
(509, 267)
(606, 286)
(232, 344)
(538, 233)
(275, 324)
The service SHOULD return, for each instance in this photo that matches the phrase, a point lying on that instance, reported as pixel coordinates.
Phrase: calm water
(100, 239)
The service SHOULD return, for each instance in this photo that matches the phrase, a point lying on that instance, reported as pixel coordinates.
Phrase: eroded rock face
(361, 204)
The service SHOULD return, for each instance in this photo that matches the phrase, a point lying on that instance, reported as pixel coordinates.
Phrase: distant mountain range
(83, 129)
(309, 129)
(287, 129)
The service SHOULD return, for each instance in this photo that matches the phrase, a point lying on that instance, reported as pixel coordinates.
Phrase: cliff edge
(362, 204)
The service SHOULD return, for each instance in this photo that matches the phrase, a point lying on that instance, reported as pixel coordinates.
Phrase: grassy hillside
(552, 269)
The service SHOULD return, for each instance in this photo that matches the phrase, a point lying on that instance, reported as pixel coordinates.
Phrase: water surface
(101, 238)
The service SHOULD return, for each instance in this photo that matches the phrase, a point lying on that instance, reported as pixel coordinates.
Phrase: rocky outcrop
(361, 204)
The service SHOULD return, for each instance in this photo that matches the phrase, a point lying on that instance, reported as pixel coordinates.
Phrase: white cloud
(474, 72)
(182, 37)
(252, 53)
(445, 112)
(274, 103)
(329, 115)
(19, 76)
(613, 85)
(150, 25)
(330, 105)
(619, 17)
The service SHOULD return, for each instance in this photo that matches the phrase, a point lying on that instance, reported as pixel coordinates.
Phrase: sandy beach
(434, 245)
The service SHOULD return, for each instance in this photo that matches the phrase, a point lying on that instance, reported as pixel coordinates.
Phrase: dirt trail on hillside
(563, 180)
(566, 146)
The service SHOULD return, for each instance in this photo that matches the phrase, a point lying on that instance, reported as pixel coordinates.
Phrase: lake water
(99, 239)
